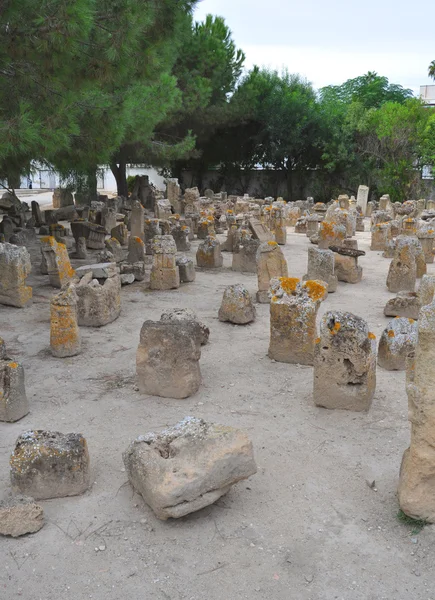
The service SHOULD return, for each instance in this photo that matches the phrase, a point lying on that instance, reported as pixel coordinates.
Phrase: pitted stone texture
(346, 268)
(137, 221)
(209, 254)
(244, 256)
(62, 198)
(98, 304)
(136, 250)
(402, 273)
(426, 289)
(153, 228)
(180, 233)
(405, 304)
(20, 515)
(188, 466)
(186, 314)
(14, 268)
(237, 306)
(397, 341)
(164, 273)
(186, 269)
(271, 264)
(113, 246)
(49, 464)
(13, 400)
(381, 233)
(60, 271)
(344, 363)
(417, 473)
(167, 359)
(293, 311)
(321, 266)
(65, 337)
(331, 234)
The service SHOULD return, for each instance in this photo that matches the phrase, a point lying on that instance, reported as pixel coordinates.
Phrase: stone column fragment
(64, 331)
(14, 268)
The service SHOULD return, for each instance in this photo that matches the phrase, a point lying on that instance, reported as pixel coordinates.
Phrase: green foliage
(431, 70)
(130, 183)
(416, 524)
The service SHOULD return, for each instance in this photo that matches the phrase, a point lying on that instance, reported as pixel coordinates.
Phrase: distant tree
(431, 70)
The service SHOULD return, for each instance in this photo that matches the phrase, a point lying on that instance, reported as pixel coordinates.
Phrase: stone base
(165, 279)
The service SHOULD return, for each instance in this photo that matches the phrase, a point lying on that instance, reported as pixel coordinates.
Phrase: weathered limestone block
(164, 273)
(81, 251)
(405, 304)
(62, 198)
(384, 202)
(113, 246)
(426, 237)
(301, 225)
(312, 225)
(60, 271)
(167, 359)
(180, 233)
(205, 227)
(321, 267)
(237, 306)
(397, 341)
(381, 233)
(390, 248)
(120, 233)
(346, 266)
(363, 197)
(293, 214)
(331, 234)
(188, 466)
(402, 273)
(293, 311)
(186, 269)
(426, 289)
(417, 472)
(162, 208)
(14, 268)
(209, 254)
(271, 264)
(49, 464)
(98, 270)
(13, 400)
(381, 216)
(98, 304)
(20, 515)
(136, 250)
(173, 193)
(420, 261)
(409, 226)
(395, 227)
(186, 314)
(137, 223)
(96, 237)
(245, 256)
(344, 363)
(278, 224)
(64, 332)
(138, 270)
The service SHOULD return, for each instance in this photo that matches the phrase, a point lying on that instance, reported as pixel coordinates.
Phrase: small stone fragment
(20, 515)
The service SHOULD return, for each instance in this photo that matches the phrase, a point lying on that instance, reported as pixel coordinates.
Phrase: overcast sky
(329, 41)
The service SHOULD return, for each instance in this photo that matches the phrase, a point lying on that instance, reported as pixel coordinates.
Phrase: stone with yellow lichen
(59, 267)
(64, 331)
(49, 464)
(15, 266)
(13, 399)
(189, 466)
(237, 306)
(164, 273)
(271, 263)
(397, 341)
(344, 363)
(293, 311)
(209, 254)
(402, 273)
(321, 266)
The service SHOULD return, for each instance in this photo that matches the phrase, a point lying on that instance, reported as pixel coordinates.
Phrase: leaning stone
(271, 264)
(397, 341)
(120, 232)
(417, 473)
(405, 304)
(14, 268)
(20, 515)
(167, 359)
(344, 363)
(189, 466)
(186, 314)
(13, 400)
(64, 332)
(293, 311)
(236, 306)
(49, 464)
(59, 267)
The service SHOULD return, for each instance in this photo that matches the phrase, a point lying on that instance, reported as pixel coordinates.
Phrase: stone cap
(345, 251)
(99, 270)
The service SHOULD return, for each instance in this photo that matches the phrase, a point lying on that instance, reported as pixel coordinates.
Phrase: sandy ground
(306, 526)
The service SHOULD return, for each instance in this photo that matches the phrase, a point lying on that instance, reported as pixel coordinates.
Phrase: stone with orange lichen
(48, 464)
(13, 399)
(331, 234)
(15, 267)
(397, 341)
(321, 265)
(59, 268)
(293, 312)
(64, 331)
(209, 254)
(344, 363)
(271, 264)
(189, 466)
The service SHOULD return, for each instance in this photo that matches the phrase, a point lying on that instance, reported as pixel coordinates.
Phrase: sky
(330, 41)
